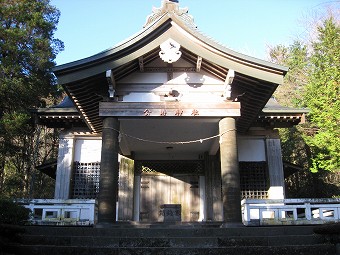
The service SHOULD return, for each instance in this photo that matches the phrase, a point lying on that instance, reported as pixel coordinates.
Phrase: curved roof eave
(200, 35)
(224, 57)
(68, 67)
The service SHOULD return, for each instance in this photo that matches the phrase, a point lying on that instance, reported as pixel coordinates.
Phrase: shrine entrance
(170, 183)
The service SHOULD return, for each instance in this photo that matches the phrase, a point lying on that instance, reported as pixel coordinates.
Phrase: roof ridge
(170, 7)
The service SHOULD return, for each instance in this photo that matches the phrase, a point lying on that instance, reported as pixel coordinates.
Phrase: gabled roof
(62, 115)
(278, 116)
(85, 81)
(49, 168)
(177, 23)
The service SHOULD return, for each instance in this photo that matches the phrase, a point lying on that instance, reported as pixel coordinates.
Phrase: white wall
(152, 86)
(251, 149)
(144, 78)
(141, 97)
(87, 151)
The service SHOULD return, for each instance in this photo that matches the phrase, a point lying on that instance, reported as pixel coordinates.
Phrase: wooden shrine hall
(169, 125)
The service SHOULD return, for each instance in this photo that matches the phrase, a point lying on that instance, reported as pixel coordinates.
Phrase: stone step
(170, 232)
(235, 250)
(171, 241)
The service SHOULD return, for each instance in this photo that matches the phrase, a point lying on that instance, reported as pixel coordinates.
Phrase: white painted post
(261, 214)
(136, 197)
(321, 213)
(246, 212)
(64, 168)
(276, 213)
(336, 213)
(308, 211)
(295, 214)
(202, 198)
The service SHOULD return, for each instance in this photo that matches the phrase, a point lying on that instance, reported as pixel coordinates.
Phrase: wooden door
(157, 190)
(154, 192)
(125, 189)
(185, 191)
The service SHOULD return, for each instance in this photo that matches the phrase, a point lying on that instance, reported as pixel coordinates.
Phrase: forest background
(28, 50)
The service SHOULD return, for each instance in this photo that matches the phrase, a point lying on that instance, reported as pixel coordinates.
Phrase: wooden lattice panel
(253, 179)
(169, 167)
(85, 182)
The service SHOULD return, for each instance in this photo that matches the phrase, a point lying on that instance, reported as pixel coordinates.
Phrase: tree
(296, 58)
(322, 96)
(313, 82)
(27, 53)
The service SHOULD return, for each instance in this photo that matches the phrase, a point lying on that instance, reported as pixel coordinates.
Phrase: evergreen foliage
(313, 82)
(12, 213)
(27, 53)
(322, 96)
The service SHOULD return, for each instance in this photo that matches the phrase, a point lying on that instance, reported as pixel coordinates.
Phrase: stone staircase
(170, 240)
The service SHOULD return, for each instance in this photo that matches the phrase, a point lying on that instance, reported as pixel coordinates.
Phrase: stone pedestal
(171, 212)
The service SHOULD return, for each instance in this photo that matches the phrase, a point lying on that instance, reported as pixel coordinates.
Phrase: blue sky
(88, 27)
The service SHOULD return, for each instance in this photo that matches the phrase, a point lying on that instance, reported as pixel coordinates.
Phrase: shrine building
(169, 118)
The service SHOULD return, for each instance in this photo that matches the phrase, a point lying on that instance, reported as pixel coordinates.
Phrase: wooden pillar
(108, 186)
(213, 198)
(231, 195)
(275, 169)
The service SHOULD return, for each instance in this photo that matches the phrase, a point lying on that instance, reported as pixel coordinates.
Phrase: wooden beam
(141, 64)
(228, 81)
(110, 78)
(170, 72)
(111, 82)
(198, 64)
(170, 109)
(230, 77)
(169, 69)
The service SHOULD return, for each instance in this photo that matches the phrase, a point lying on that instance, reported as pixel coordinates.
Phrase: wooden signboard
(169, 109)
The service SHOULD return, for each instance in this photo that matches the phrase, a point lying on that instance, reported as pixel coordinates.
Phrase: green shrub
(12, 213)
